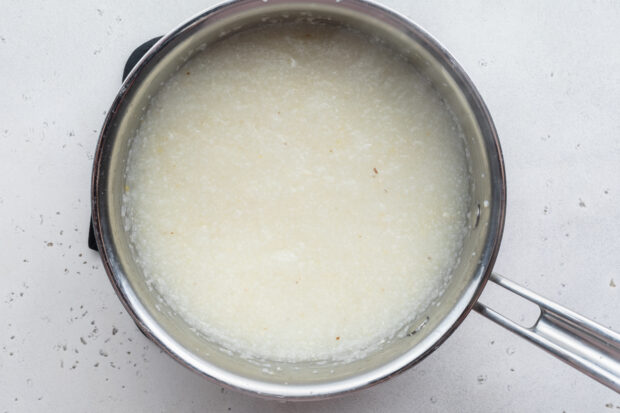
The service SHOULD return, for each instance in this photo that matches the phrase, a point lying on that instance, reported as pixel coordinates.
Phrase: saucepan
(576, 340)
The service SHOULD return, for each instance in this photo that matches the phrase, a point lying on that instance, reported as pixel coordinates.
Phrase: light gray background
(550, 74)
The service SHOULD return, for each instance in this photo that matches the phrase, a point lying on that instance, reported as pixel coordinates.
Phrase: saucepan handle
(574, 339)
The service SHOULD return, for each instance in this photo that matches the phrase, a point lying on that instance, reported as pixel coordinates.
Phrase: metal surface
(309, 379)
(574, 339)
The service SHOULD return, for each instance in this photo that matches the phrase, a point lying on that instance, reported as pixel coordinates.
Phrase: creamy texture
(297, 192)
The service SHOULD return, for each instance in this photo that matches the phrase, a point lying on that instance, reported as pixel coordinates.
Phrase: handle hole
(511, 305)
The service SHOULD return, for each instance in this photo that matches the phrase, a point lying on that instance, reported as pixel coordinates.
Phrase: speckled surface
(550, 74)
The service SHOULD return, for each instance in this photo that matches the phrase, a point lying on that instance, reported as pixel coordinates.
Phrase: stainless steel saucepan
(578, 341)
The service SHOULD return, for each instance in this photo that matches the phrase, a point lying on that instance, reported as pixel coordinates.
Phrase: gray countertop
(550, 74)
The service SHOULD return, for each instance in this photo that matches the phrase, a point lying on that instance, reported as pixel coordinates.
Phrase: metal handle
(582, 343)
